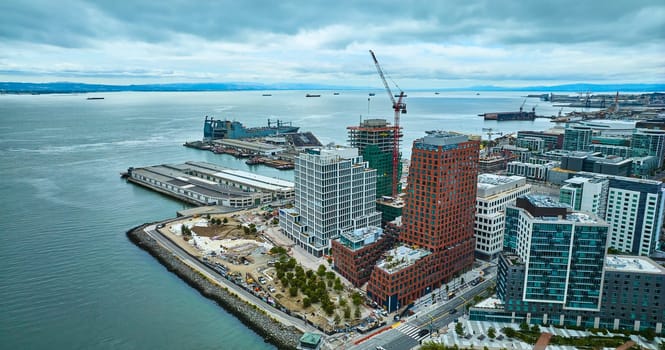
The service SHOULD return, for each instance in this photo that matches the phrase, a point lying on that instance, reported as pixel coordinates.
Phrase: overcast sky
(420, 44)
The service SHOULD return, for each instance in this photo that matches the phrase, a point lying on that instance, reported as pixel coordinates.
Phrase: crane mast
(399, 107)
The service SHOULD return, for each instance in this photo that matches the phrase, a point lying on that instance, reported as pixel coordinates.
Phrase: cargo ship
(214, 129)
(506, 116)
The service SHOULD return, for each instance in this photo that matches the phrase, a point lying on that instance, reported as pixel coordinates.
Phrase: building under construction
(375, 140)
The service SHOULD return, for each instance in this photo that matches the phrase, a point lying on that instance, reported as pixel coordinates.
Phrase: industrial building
(209, 184)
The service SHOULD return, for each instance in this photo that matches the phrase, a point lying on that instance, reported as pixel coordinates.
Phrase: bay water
(69, 277)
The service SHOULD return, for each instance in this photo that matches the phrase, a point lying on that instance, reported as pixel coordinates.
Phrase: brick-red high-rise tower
(437, 221)
(440, 201)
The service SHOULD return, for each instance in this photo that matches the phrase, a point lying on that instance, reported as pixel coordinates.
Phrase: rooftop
(630, 263)
(443, 138)
(402, 257)
(583, 218)
(239, 176)
(310, 338)
(491, 180)
(361, 237)
(544, 201)
(490, 303)
(490, 185)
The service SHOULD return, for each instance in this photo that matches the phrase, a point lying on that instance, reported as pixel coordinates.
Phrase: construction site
(248, 249)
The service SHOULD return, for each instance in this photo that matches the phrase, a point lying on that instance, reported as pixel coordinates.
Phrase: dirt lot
(240, 245)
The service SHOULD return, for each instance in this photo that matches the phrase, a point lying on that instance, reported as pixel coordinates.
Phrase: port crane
(399, 107)
(522, 106)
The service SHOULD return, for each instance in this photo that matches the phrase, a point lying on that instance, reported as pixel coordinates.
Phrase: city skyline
(420, 45)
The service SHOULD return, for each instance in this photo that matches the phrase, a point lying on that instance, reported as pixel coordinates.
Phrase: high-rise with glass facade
(562, 251)
(577, 137)
(649, 142)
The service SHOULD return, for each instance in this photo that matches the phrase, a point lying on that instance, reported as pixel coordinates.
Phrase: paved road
(241, 292)
(407, 334)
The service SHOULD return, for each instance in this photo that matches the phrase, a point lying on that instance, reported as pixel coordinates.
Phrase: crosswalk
(411, 331)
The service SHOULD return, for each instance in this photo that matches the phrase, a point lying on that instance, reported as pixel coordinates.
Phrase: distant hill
(68, 87)
(578, 87)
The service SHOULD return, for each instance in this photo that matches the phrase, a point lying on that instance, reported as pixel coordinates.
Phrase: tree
(321, 271)
(535, 328)
(491, 333)
(459, 329)
(509, 332)
(225, 220)
(433, 346)
(293, 291)
(524, 327)
(357, 313)
(306, 302)
(338, 285)
(342, 302)
(357, 298)
(337, 319)
(347, 312)
(447, 288)
(291, 263)
(330, 275)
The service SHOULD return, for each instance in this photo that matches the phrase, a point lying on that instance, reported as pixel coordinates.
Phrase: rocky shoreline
(252, 316)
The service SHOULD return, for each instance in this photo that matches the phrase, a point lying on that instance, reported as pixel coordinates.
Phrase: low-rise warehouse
(209, 184)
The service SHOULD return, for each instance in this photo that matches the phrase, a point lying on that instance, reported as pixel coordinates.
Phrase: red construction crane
(398, 107)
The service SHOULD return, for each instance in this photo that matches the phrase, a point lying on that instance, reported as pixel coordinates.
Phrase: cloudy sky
(420, 44)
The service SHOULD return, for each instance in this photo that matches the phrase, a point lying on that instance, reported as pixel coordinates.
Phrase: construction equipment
(491, 132)
(399, 107)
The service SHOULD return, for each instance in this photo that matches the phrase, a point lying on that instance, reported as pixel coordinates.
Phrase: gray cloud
(74, 23)
(443, 40)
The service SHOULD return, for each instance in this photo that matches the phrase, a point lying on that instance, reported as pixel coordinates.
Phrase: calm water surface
(70, 279)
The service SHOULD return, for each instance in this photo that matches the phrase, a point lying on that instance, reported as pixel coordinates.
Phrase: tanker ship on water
(214, 129)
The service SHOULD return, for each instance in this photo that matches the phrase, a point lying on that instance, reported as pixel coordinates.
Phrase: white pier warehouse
(209, 184)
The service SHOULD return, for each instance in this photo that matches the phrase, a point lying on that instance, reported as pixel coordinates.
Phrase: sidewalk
(454, 286)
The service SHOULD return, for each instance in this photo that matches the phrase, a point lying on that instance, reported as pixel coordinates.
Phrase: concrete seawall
(252, 316)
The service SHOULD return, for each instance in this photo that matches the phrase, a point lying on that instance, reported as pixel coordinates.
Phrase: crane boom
(398, 107)
(383, 78)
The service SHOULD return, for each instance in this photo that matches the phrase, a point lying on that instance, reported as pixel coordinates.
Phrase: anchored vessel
(505, 116)
(224, 129)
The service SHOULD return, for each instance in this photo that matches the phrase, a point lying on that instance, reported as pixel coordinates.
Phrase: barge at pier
(214, 129)
(506, 116)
